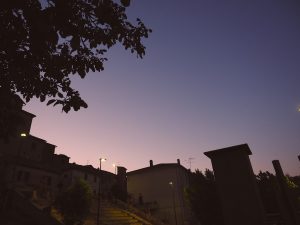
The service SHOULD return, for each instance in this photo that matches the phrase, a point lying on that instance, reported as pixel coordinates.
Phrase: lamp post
(99, 189)
(173, 196)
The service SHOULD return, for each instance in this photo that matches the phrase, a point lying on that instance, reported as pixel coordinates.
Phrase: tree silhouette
(74, 204)
(266, 182)
(43, 42)
(203, 198)
(268, 188)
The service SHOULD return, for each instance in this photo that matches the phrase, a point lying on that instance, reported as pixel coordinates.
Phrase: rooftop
(233, 149)
(158, 167)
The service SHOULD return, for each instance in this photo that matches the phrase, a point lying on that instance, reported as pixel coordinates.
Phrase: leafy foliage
(203, 197)
(294, 187)
(267, 186)
(43, 42)
(74, 204)
(269, 190)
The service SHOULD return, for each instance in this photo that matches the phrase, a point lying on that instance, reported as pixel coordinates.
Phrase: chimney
(151, 163)
(178, 161)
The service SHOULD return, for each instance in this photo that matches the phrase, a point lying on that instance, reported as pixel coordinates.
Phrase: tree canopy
(43, 42)
(204, 199)
(270, 191)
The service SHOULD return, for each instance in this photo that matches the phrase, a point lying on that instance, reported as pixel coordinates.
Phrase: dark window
(49, 181)
(60, 185)
(26, 176)
(19, 176)
(65, 175)
(95, 178)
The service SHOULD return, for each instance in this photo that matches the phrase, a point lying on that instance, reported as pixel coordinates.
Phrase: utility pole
(173, 197)
(99, 190)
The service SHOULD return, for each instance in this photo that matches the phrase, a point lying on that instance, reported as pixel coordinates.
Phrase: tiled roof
(233, 149)
(28, 113)
(87, 168)
(40, 139)
(160, 166)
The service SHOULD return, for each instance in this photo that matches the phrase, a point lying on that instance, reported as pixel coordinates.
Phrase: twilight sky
(215, 74)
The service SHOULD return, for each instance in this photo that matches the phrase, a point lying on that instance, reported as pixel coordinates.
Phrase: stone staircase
(113, 215)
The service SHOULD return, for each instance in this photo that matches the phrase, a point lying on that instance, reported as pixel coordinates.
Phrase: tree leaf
(50, 101)
(125, 3)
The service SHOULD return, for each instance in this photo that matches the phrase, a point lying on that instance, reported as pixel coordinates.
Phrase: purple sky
(215, 74)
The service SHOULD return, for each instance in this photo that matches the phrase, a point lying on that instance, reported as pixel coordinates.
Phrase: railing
(144, 217)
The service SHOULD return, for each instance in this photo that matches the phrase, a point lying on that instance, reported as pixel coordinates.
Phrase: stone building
(29, 164)
(90, 175)
(162, 185)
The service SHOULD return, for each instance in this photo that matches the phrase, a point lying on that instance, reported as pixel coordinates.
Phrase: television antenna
(189, 161)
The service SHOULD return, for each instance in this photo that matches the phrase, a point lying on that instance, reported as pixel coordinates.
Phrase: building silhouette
(29, 164)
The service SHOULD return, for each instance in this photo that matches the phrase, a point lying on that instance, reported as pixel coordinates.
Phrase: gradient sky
(215, 74)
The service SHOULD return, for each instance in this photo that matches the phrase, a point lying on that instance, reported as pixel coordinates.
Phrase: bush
(74, 204)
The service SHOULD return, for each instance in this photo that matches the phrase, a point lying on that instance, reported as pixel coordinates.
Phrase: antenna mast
(190, 162)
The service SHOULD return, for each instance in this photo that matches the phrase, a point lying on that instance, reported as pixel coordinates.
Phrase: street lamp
(173, 196)
(22, 136)
(99, 188)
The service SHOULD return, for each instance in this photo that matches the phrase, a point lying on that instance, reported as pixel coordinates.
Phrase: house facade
(91, 176)
(162, 185)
